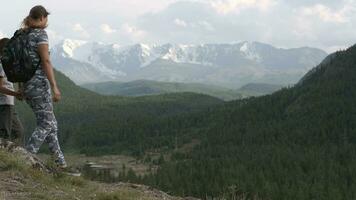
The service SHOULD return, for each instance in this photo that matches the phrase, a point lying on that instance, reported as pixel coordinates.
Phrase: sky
(328, 24)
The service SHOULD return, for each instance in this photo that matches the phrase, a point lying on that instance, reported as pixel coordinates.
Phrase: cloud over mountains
(284, 23)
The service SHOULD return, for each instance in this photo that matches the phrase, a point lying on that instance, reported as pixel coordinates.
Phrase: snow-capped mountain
(230, 65)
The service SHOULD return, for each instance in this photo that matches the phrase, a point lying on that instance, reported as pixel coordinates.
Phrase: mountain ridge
(149, 87)
(205, 63)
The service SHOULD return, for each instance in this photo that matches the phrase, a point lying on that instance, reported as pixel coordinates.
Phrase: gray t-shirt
(37, 36)
(6, 99)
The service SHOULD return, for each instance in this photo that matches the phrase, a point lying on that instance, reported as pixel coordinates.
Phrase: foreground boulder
(24, 155)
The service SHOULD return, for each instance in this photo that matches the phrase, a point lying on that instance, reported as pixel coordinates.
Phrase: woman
(37, 91)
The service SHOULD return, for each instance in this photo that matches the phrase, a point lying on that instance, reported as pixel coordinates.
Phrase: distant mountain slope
(229, 65)
(258, 89)
(86, 71)
(146, 87)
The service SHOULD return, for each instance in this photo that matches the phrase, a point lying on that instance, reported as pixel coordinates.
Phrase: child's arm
(6, 91)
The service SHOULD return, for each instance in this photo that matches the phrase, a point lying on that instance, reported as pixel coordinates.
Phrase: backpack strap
(28, 31)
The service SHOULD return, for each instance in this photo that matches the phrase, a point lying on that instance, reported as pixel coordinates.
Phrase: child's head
(3, 42)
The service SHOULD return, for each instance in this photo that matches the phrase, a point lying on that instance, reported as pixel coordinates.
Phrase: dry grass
(19, 181)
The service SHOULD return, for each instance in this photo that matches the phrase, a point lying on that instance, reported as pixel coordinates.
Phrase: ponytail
(26, 23)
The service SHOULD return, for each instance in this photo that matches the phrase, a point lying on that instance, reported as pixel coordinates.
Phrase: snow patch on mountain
(185, 54)
(69, 46)
(249, 50)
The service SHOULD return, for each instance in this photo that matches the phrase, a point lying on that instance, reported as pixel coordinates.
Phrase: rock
(28, 157)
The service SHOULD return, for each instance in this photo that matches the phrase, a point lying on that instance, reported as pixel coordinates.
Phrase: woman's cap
(38, 12)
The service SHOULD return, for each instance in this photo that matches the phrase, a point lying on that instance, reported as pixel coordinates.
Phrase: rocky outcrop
(24, 155)
(24, 183)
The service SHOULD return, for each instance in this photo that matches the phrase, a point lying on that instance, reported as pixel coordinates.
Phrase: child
(10, 125)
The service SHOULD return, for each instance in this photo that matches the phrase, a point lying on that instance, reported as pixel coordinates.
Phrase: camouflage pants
(38, 96)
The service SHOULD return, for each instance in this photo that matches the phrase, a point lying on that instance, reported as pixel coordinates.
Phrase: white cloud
(78, 28)
(125, 8)
(326, 14)
(336, 48)
(203, 25)
(228, 6)
(284, 23)
(206, 25)
(180, 22)
(106, 28)
(54, 37)
(312, 25)
(1, 35)
(303, 29)
(288, 23)
(133, 8)
(133, 33)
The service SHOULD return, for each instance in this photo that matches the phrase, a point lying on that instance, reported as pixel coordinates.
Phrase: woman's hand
(19, 95)
(56, 94)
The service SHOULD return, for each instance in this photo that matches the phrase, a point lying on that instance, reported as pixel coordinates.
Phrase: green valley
(149, 87)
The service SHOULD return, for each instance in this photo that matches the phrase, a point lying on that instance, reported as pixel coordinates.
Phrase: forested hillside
(298, 143)
(95, 124)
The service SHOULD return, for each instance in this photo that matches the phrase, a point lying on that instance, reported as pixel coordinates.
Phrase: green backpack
(18, 63)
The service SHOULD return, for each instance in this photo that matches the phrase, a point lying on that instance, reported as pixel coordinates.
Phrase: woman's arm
(48, 69)
(6, 91)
